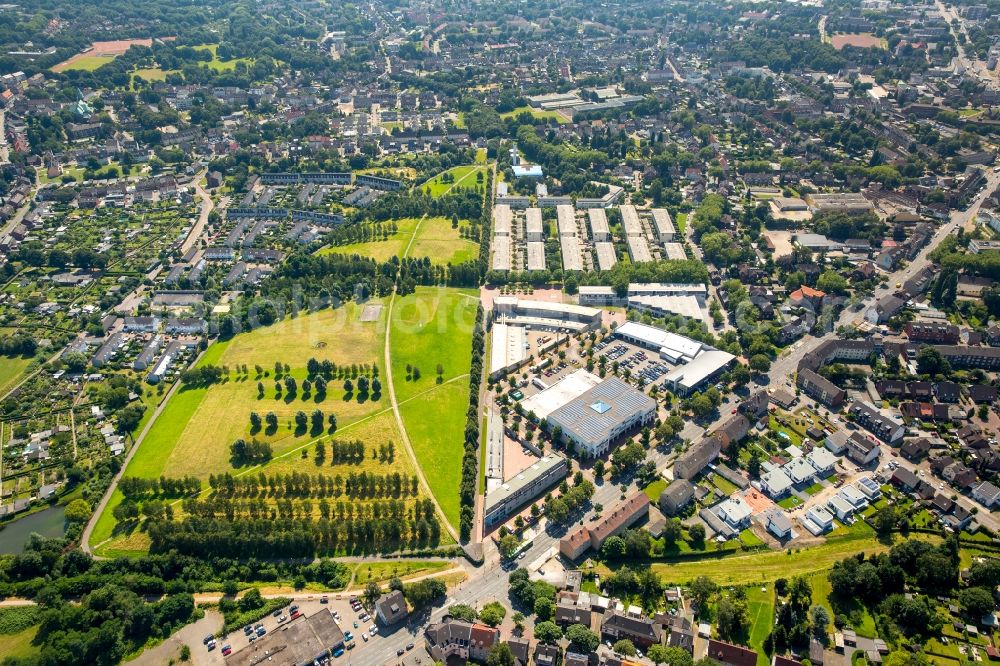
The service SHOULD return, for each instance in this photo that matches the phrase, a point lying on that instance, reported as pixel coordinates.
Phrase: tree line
(208, 537)
(135, 487)
(365, 485)
(467, 488)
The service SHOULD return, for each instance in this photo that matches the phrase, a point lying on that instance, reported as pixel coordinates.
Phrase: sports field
(431, 327)
(464, 178)
(100, 53)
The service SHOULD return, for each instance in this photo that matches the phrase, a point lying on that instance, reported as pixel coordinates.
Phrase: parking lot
(361, 633)
(637, 360)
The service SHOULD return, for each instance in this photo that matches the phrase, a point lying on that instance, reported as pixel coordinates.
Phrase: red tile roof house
(728, 654)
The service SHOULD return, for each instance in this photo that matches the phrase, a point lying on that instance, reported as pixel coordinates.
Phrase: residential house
(642, 631)
(390, 608)
(728, 654)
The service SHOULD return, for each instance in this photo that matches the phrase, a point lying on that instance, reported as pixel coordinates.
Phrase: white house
(735, 512)
(775, 483)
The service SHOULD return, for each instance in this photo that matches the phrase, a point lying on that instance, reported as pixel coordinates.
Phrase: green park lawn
(193, 433)
(221, 65)
(431, 237)
(153, 73)
(464, 177)
(541, 115)
(435, 238)
(381, 250)
(764, 567)
(430, 327)
(381, 572)
(19, 645)
(858, 616)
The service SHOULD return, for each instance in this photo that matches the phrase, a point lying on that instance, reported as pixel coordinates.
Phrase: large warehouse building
(594, 419)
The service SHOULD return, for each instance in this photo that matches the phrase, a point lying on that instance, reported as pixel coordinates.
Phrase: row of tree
(264, 538)
(364, 485)
(135, 487)
(468, 486)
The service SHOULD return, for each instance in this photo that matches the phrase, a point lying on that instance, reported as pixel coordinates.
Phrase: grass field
(381, 572)
(19, 645)
(755, 568)
(86, 63)
(654, 489)
(153, 73)
(220, 65)
(193, 433)
(542, 115)
(858, 616)
(381, 250)
(464, 177)
(430, 327)
(436, 239)
(760, 603)
(431, 237)
(11, 370)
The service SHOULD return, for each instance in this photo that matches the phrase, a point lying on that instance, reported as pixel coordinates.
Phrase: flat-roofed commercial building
(509, 349)
(599, 228)
(536, 256)
(303, 640)
(663, 225)
(534, 229)
(543, 314)
(671, 346)
(704, 368)
(597, 418)
(845, 202)
(606, 258)
(563, 391)
(523, 488)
